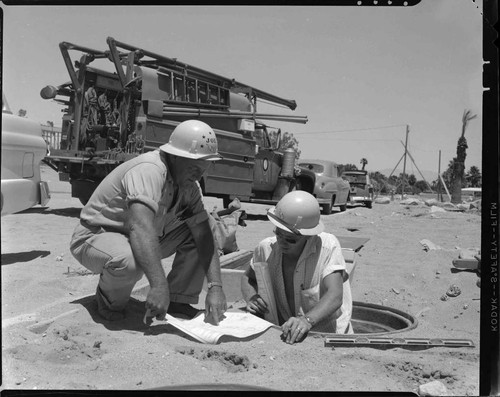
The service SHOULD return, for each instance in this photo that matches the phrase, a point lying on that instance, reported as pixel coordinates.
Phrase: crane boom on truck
(132, 105)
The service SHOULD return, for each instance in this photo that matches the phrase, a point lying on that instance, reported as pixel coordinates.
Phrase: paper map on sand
(239, 325)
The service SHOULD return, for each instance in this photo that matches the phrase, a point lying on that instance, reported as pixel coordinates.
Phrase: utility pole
(404, 162)
(440, 196)
(416, 166)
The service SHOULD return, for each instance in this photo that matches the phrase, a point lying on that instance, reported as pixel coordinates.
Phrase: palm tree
(459, 164)
(363, 162)
(473, 177)
(448, 173)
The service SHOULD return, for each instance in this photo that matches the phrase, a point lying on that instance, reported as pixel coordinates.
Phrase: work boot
(104, 310)
(184, 309)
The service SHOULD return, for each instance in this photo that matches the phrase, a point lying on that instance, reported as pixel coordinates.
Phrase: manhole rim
(412, 320)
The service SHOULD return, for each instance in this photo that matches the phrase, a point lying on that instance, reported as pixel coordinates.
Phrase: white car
(329, 189)
(23, 149)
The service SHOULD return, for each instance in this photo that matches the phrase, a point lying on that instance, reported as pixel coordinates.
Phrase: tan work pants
(110, 255)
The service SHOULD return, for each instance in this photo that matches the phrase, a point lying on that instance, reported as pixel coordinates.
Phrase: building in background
(52, 135)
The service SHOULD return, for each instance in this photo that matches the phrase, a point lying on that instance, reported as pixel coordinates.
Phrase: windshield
(317, 168)
(355, 178)
(261, 138)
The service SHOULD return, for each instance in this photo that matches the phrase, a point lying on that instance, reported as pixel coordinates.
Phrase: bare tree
(459, 161)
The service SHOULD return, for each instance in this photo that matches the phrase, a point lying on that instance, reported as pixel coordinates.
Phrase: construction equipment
(112, 116)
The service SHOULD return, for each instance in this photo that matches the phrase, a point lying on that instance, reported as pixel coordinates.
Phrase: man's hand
(256, 305)
(215, 304)
(295, 329)
(158, 301)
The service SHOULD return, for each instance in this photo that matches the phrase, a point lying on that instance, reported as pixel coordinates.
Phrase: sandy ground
(53, 339)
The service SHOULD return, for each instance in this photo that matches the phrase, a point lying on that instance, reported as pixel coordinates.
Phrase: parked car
(361, 187)
(330, 189)
(471, 193)
(23, 149)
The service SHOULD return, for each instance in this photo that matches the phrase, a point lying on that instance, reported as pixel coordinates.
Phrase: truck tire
(368, 204)
(84, 201)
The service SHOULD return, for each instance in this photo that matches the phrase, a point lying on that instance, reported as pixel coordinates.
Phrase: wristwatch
(309, 320)
(213, 284)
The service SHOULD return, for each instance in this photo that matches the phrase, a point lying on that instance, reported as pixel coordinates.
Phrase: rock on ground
(434, 388)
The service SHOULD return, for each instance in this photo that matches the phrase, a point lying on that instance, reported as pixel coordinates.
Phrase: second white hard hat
(193, 139)
(299, 209)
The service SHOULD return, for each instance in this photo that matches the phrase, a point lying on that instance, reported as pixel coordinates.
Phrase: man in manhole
(307, 272)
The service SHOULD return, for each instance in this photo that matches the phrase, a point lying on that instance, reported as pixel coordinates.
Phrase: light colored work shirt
(322, 255)
(144, 179)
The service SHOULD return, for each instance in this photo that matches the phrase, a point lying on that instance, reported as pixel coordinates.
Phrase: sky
(360, 74)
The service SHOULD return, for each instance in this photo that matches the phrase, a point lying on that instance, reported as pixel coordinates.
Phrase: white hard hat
(300, 210)
(193, 139)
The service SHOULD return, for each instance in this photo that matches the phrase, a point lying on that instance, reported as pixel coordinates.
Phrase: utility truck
(133, 100)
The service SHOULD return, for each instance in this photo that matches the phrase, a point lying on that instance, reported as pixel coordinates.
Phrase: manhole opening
(369, 318)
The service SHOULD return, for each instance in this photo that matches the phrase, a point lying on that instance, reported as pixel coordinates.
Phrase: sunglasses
(289, 238)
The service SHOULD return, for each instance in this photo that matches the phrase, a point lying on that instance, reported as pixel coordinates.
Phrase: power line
(420, 149)
(360, 139)
(357, 129)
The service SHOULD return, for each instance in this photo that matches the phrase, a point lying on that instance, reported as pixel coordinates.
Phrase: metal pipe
(215, 113)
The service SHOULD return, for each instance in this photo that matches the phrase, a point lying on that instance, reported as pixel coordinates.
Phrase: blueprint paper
(239, 325)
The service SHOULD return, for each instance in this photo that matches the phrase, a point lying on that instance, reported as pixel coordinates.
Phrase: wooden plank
(466, 263)
(236, 259)
(354, 243)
